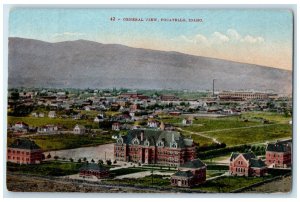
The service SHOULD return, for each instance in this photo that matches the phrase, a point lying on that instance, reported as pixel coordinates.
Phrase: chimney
(142, 136)
(173, 139)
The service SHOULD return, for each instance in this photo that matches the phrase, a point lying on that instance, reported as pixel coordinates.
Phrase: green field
(253, 135)
(158, 180)
(68, 141)
(49, 168)
(235, 130)
(210, 124)
(66, 122)
(271, 116)
(227, 184)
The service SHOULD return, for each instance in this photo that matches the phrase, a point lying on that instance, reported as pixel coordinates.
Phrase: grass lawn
(68, 141)
(125, 171)
(213, 173)
(49, 168)
(66, 122)
(271, 116)
(217, 159)
(210, 124)
(202, 141)
(158, 180)
(253, 135)
(112, 113)
(227, 184)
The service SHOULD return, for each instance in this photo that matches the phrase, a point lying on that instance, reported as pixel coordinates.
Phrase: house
(79, 130)
(99, 118)
(190, 174)
(21, 126)
(88, 170)
(150, 146)
(153, 124)
(48, 129)
(116, 126)
(52, 114)
(279, 154)
(24, 151)
(246, 164)
(187, 121)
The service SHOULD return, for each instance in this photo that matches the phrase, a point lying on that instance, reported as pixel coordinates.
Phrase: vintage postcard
(150, 100)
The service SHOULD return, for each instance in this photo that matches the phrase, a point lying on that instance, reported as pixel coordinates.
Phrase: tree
(79, 160)
(115, 161)
(92, 161)
(84, 159)
(71, 159)
(100, 162)
(55, 157)
(108, 162)
(49, 156)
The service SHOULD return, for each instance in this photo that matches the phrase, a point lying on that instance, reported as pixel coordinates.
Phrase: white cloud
(186, 39)
(219, 37)
(233, 34)
(252, 39)
(199, 38)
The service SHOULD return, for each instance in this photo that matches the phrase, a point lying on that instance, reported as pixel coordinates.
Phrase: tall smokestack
(214, 87)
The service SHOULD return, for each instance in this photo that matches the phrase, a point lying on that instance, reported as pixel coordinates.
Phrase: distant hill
(82, 64)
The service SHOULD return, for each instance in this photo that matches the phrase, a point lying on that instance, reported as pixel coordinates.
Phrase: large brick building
(190, 174)
(246, 164)
(279, 154)
(24, 151)
(154, 147)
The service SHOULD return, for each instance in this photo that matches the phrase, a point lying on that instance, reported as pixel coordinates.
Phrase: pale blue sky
(253, 36)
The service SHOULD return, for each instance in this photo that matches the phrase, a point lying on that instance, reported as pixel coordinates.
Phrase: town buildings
(279, 154)
(246, 164)
(48, 129)
(24, 151)
(239, 96)
(151, 146)
(79, 130)
(190, 174)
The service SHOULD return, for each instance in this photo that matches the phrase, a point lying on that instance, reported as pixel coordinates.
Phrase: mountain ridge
(69, 63)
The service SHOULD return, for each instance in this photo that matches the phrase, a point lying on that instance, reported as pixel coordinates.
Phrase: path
(200, 134)
(225, 129)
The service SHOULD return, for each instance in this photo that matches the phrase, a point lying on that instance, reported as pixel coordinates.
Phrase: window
(160, 144)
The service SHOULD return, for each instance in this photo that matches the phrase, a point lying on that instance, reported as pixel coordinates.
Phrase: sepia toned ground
(18, 183)
(279, 186)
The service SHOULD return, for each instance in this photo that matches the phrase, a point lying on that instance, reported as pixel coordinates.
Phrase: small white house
(187, 121)
(48, 129)
(115, 126)
(79, 130)
(52, 114)
(152, 124)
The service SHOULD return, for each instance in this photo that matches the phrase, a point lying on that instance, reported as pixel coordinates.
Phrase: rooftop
(24, 144)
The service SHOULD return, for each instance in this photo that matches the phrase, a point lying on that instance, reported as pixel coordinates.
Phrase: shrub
(108, 162)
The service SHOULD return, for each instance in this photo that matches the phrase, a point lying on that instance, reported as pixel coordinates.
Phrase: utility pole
(214, 87)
